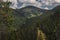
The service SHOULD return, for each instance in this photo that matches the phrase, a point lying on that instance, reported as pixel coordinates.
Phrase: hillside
(22, 24)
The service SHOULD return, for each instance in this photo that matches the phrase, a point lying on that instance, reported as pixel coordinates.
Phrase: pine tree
(6, 20)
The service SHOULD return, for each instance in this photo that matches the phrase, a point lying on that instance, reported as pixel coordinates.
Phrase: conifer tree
(6, 20)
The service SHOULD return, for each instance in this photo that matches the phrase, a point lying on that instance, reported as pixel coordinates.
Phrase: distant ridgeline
(43, 4)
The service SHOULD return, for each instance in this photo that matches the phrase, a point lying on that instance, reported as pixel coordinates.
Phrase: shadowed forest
(29, 23)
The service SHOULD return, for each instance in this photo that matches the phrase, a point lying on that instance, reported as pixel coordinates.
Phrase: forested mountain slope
(21, 24)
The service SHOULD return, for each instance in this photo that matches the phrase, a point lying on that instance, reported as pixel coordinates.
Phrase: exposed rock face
(43, 4)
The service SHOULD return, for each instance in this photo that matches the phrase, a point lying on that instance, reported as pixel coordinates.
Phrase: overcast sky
(34, 2)
(31, 0)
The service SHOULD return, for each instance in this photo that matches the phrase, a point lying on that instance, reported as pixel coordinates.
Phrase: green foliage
(22, 25)
(6, 19)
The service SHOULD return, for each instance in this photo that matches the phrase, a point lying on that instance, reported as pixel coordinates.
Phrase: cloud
(43, 4)
(57, 1)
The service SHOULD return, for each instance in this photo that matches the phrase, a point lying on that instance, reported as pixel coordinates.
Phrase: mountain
(30, 13)
(29, 16)
(24, 23)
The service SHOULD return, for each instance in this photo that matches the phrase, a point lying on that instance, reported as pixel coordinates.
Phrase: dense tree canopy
(22, 24)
